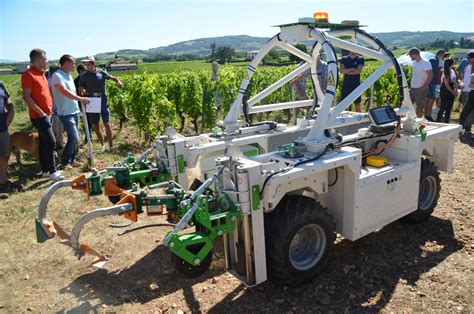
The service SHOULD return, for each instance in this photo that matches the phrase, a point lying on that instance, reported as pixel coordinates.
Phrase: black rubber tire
(429, 173)
(184, 268)
(292, 214)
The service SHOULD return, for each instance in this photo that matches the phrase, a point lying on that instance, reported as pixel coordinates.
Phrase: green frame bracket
(256, 197)
(180, 163)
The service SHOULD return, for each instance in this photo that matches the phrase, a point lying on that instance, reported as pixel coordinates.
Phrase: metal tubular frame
(99, 212)
(327, 115)
(231, 121)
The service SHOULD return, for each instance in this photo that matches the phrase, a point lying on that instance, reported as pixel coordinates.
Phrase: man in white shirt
(468, 82)
(466, 77)
(422, 75)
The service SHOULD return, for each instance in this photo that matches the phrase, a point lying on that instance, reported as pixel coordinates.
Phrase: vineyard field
(155, 101)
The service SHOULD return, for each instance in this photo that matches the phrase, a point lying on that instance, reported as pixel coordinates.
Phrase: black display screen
(383, 115)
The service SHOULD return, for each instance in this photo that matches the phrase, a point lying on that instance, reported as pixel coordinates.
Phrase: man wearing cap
(93, 83)
(422, 75)
(468, 91)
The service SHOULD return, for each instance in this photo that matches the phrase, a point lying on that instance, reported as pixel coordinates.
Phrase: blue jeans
(70, 123)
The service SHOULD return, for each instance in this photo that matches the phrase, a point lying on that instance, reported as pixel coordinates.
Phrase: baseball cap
(470, 53)
(414, 51)
(88, 59)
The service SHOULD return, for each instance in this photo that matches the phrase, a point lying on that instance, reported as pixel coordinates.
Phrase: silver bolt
(172, 244)
(197, 261)
(219, 232)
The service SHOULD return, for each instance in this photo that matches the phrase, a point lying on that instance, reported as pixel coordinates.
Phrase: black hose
(314, 158)
(394, 61)
(114, 225)
(313, 87)
(295, 165)
(335, 181)
(245, 110)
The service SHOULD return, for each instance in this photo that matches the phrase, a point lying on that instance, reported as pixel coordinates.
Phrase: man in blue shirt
(6, 118)
(351, 66)
(65, 98)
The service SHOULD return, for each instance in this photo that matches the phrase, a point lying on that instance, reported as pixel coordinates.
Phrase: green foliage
(223, 54)
(156, 101)
(301, 47)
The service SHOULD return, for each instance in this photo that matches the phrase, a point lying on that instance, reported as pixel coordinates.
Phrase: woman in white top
(448, 91)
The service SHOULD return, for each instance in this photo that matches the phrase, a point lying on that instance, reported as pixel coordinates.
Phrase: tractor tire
(299, 239)
(184, 268)
(428, 195)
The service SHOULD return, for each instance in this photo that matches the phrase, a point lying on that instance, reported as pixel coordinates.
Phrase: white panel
(384, 195)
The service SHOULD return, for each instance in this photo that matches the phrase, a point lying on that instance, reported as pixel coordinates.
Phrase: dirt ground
(403, 267)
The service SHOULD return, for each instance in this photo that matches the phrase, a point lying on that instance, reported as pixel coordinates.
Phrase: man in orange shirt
(37, 96)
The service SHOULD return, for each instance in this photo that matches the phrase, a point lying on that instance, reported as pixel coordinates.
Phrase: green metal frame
(209, 223)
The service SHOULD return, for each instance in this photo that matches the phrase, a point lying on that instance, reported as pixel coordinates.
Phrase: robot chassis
(276, 193)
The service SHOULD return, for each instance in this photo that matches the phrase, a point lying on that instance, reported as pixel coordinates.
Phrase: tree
(301, 47)
(224, 54)
(213, 51)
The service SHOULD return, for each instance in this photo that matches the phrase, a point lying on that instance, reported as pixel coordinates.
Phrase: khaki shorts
(418, 97)
(4, 144)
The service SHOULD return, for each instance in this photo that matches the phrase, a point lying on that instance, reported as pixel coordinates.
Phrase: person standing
(323, 74)
(93, 83)
(299, 84)
(448, 91)
(80, 70)
(6, 118)
(465, 77)
(37, 96)
(215, 78)
(436, 69)
(351, 66)
(65, 98)
(58, 128)
(468, 84)
(422, 75)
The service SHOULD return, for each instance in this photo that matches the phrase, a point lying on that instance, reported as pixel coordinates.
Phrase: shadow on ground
(28, 171)
(361, 276)
(150, 278)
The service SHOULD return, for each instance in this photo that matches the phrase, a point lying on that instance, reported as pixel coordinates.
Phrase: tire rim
(307, 247)
(427, 193)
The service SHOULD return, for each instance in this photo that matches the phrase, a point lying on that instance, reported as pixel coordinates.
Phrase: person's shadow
(361, 276)
(150, 278)
(29, 170)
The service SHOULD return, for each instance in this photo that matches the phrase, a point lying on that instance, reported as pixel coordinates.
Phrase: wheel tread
(292, 210)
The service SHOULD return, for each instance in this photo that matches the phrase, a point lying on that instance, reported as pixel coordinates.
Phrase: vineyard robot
(278, 209)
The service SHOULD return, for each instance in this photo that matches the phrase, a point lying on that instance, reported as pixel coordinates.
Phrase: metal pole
(88, 136)
(248, 250)
(228, 263)
(371, 96)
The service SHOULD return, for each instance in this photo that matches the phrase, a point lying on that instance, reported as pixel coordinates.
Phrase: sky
(87, 27)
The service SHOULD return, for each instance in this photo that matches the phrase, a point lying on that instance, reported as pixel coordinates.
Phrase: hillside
(201, 46)
(198, 46)
(418, 38)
